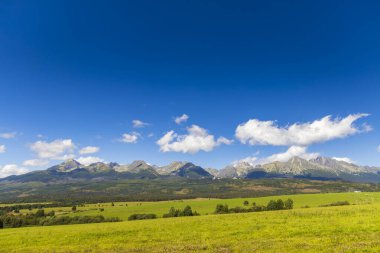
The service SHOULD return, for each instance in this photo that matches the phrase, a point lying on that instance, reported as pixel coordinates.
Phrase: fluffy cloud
(196, 140)
(8, 135)
(256, 132)
(89, 160)
(378, 148)
(130, 137)
(11, 169)
(180, 119)
(292, 151)
(344, 159)
(35, 163)
(57, 149)
(89, 150)
(138, 123)
(2, 149)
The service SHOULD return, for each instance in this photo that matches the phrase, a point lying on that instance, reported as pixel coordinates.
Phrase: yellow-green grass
(207, 206)
(354, 228)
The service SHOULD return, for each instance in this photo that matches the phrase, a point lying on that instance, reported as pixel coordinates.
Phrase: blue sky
(83, 71)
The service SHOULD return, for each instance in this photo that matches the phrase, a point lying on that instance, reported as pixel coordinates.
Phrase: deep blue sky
(83, 70)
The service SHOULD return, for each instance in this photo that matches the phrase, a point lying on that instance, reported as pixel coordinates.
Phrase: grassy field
(207, 206)
(325, 229)
(354, 228)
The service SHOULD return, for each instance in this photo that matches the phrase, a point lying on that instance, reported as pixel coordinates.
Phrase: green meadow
(207, 206)
(350, 228)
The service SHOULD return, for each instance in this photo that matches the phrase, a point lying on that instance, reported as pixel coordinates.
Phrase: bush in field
(40, 213)
(74, 208)
(1, 224)
(142, 216)
(246, 203)
(221, 209)
(51, 213)
(288, 204)
(187, 211)
(338, 203)
(276, 205)
(272, 205)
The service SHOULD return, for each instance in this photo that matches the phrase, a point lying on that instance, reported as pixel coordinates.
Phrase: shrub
(142, 216)
(288, 204)
(187, 211)
(338, 203)
(40, 213)
(221, 209)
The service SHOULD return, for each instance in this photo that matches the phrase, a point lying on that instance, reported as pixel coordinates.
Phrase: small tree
(246, 203)
(279, 204)
(187, 211)
(40, 213)
(74, 208)
(221, 209)
(288, 204)
(112, 204)
(1, 224)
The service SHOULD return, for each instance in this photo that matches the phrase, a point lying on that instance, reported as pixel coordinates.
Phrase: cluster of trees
(180, 212)
(40, 218)
(17, 207)
(143, 216)
(272, 205)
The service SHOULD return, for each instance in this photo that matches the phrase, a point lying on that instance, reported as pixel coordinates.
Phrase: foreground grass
(331, 229)
(207, 206)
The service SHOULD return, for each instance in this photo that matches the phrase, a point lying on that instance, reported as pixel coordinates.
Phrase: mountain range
(320, 168)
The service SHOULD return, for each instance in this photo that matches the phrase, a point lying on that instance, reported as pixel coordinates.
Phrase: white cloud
(196, 140)
(130, 137)
(89, 150)
(292, 151)
(256, 132)
(344, 159)
(180, 119)
(2, 149)
(11, 169)
(87, 160)
(35, 163)
(8, 135)
(378, 148)
(138, 123)
(57, 149)
(224, 140)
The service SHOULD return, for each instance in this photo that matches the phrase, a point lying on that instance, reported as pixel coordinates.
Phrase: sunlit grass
(328, 229)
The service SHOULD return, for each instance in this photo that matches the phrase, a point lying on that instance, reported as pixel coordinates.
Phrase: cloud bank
(89, 160)
(8, 135)
(138, 123)
(197, 139)
(55, 150)
(89, 150)
(2, 149)
(182, 118)
(130, 137)
(256, 132)
(11, 169)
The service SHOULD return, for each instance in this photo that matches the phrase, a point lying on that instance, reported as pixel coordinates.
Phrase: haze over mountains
(320, 168)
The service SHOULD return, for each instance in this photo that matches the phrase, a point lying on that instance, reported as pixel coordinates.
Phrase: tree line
(40, 218)
(271, 206)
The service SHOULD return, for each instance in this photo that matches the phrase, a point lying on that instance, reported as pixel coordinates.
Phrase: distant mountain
(72, 170)
(190, 170)
(321, 168)
(171, 168)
